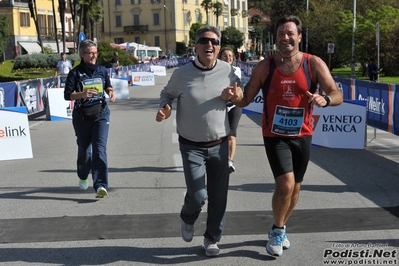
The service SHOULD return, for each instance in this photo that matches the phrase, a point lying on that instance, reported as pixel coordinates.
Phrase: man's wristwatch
(328, 100)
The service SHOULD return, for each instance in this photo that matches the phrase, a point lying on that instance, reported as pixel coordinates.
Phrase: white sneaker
(231, 167)
(286, 242)
(101, 192)
(275, 244)
(186, 231)
(83, 184)
(211, 248)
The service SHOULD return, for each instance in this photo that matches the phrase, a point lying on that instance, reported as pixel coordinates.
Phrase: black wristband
(328, 100)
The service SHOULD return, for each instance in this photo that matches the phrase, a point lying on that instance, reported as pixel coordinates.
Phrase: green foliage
(106, 52)
(4, 32)
(42, 61)
(207, 6)
(193, 29)
(181, 48)
(233, 37)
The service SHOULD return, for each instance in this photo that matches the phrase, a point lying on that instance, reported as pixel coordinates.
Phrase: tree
(4, 32)
(217, 11)
(233, 37)
(193, 29)
(207, 6)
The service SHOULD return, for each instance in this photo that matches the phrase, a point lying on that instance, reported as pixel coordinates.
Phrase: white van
(144, 54)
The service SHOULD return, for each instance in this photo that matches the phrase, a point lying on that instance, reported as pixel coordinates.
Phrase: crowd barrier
(381, 98)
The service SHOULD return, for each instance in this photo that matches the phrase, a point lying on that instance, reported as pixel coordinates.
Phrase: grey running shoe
(211, 248)
(186, 231)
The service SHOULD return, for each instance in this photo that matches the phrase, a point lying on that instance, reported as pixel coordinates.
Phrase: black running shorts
(287, 155)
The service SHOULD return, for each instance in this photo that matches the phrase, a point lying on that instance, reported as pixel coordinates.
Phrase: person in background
(63, 66)
(87, 84)
(227, 54)
(289, 82)
(203, 129)
(115, 63)
(372, 70)
(261, 57)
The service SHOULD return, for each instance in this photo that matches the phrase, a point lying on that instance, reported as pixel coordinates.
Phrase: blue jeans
(211, 162)
(91, 137)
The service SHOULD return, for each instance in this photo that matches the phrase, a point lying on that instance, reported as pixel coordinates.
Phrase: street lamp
(353, 40)
(164, 15)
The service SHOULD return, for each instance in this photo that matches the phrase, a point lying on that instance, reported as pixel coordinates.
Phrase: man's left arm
(322, 75)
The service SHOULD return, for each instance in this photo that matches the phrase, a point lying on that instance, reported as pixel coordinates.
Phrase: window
(41, 21)
(225, 20)
(196, 2)
(232, 4)
(184, 1)
(25, 19)
(156, 41)
(198, 17)
(136, 20)
(118, 21)
(119, 40)
(117, 2)
(238, 4)
(156, 18)
(244, 5)
(134, 2)
(137, 39)
(233, 22)
(50, 25)
(185, 18)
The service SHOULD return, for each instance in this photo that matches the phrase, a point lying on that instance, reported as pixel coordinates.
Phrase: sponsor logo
(9, 132)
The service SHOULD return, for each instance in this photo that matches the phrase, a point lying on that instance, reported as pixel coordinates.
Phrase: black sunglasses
(204, 40)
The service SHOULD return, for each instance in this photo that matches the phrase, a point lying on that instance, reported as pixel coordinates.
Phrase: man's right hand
(163, 113)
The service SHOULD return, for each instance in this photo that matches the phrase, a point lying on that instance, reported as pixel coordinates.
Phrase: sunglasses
(204, 40)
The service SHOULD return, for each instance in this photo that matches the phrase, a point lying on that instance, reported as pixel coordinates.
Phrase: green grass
(345, 72)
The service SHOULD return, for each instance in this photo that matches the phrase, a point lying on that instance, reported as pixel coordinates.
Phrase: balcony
(17, 3)
(234, 12)
(244, 13)
(135, 29)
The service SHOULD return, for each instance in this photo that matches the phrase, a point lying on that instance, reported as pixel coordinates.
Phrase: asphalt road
(348, 208)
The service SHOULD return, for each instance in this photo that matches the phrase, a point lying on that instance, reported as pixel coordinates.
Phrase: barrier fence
(382, 98)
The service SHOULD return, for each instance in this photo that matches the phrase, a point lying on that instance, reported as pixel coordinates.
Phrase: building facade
(162, 23)
(24, 37)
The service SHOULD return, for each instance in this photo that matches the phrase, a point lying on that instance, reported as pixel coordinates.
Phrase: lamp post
(307, 28)
(353, 40)
(164, 16)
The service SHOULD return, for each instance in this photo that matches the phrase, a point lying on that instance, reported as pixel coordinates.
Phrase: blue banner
(8, 94)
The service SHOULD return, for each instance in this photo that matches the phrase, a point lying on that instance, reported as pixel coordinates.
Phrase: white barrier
(59, 109)
(158, 70)
(15, 142)
(342, 126)
(143, 79)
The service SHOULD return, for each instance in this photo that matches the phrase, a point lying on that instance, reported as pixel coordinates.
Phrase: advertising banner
(8, 94)
(15, 142)
(158, 70)
(59, 109)
(121, 88)
(377, 96)
(30, 93)
(143, 79)
(342, 126)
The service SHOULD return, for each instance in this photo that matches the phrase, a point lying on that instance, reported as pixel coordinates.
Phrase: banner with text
(15, 142)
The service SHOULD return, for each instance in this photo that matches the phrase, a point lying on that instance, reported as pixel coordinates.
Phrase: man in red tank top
(289, 81)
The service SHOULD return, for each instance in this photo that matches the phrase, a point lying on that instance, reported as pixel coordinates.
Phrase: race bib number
(288, 121)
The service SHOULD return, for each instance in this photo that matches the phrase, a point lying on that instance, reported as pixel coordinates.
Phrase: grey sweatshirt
(201, 112)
